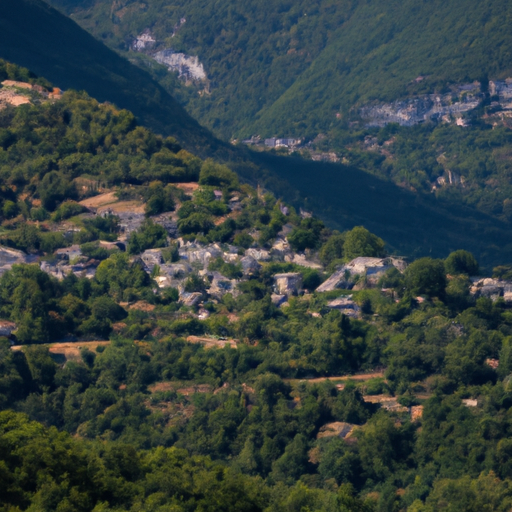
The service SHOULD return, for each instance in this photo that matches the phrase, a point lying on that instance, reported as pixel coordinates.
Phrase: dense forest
(417, 157)
(137, 415)
(288, 68)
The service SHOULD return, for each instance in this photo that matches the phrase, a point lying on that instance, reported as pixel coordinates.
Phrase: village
(195, 258)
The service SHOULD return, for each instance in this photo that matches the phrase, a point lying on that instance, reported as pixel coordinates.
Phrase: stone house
(289, 283)
(151, 258)
(346, 305)
(69, 253)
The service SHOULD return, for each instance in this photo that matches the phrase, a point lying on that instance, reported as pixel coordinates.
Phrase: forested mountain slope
(173, 339)
(287, 68)
(36, 36)
(343, 196)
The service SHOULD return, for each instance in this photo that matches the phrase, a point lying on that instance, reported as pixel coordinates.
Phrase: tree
(461, 262)
(41, 366)
(54, 188)
(217, 175)
(306, 235)
(360, 242)
(426, 276)
(333, 248)
(148, 236)
(293, 463)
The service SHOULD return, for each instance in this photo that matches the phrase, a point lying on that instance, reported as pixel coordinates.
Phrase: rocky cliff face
(189, 67)
(447, 107)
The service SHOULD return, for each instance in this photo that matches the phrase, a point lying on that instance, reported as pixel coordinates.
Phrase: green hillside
(287, 68)
(175, 340)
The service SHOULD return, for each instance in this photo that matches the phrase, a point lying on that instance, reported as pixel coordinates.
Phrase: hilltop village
(162, 321)
(201, 272)
(207, 239)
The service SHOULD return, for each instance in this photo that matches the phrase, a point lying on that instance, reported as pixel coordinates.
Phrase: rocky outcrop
(8, 257)
(492, 289)
(502, 89)
(151, 258)
(336, 429)
(220, 285)
(300, 259)
(199, 254)
(258, 254)
(188, 67)
(346, 305)
(371, 268)
(144, 42)
(429, 107)
(250, 266)
(191, 299)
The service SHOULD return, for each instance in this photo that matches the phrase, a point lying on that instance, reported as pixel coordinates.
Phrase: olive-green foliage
(99, 228)
(333, 248)
(230, 270)
(195, 223)
(66, 210)
(45, 309)
(426, 276)
(94, 251)
(243, 240)
(53, 189)
(10, 71)
(223, 232)
(194, 283)
(117, 276)
(503, 272)
(159, 199)
(307, 235)
(148, 236)
(461, 262)
(171, 254)
(216, 175)
(31, 239)
(78, 137)
(360, 242)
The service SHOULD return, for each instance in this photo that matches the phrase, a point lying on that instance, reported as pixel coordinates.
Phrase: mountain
(172, 338)
(39, 37)
(287, 68)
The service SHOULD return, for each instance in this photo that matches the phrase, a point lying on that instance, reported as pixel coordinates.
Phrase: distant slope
(286, 68)
(384, 46)
(38, 37)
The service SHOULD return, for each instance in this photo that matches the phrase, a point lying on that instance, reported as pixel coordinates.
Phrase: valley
(315, 316)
